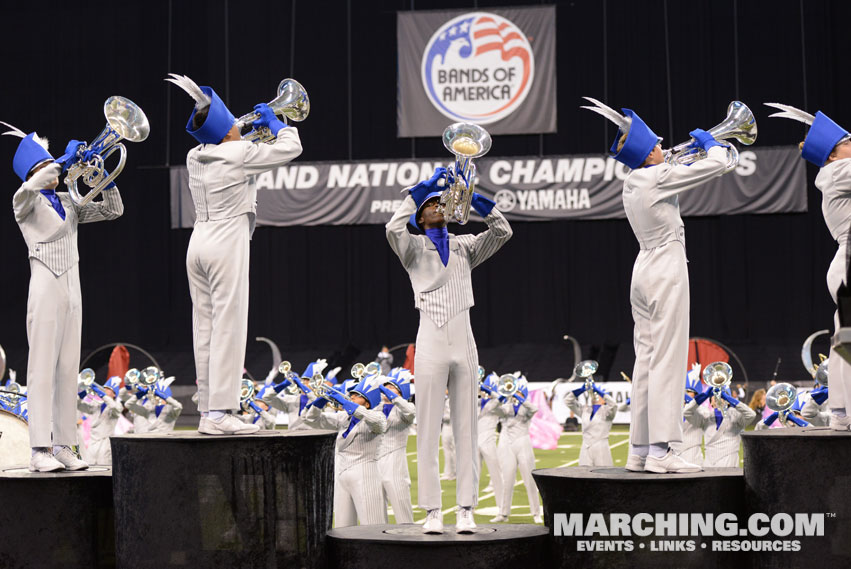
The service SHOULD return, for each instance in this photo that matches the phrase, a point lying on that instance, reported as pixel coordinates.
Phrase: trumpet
(507, 385)
(739, 124)
(86, 381)
(124, 120)
(466, 141)
(292, 102)
(585, 371)
(718, 376)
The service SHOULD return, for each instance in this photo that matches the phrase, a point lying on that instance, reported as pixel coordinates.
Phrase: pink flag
(545, 428)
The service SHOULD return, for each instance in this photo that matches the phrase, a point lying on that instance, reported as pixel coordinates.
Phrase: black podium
(189, 500)
(801, 472)
(56, 520)
(603, 491)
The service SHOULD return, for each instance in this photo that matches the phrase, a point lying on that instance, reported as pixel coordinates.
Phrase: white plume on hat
(14, 131)
(622, 122)
(790, 112)
(202, 100)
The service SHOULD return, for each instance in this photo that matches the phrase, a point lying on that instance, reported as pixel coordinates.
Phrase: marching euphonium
(466, 141)
(718, 376)
(585, 371)
(507, 385)
(124, 121)
(780, 398)
(292, 102)
(739, 124)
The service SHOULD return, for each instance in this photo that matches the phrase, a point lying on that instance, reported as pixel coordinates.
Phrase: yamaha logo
(505, 200)
(478, 67)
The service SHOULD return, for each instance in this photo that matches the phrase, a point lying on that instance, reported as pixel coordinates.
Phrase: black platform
(256, 501)
(606, 490)
(802, 471)
(405, 546)
(59, 520)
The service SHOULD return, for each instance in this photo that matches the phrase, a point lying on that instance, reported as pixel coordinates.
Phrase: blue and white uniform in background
(489, 416)
(690, 449)
(722, 430)
(392, 452)
(104, 415)
(516, 453)
(596, 426)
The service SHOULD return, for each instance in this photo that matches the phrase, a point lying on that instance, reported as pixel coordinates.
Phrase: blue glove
(82, 394)
(796, 420)
(318, 402)
(481, 204)
(628, 400)
(141, 392)
(599, 391)
(701, 397)
(703, 139)
(256, 407)
(160, 394)
(520, 397)
(96, 388)
(729, 399)
(579, 391)
(281, 386)
(389, 394)
(688, 399)
(70, 155)
(267, 119)
(301, 386)
(424, 188)
(486, 389)
(819, 395)
(502, 399)
(770, 419)
(348, 406)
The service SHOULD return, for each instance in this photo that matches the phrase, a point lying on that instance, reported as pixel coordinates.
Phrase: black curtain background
(757, 282)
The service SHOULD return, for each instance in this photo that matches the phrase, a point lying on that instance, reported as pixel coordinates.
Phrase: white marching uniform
(104, 416)
(393, 460)
(834, 182)
(722, 441)
(221, 180)
(167, 418)
(489, 416)
(689, 448)
(595, 449)
(266, 419)
(446, 355)
(515, 453)
(54, 307)
(141, 412)
(815, 414)
(448, 441)
(357, 482)
(659, 293)
(289, 404)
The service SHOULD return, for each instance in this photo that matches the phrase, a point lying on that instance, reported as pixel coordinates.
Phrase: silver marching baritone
(124, 121)
(739, 124)
(585, 371)
(718, 376)
(466, 141)
(780, 398)
(507, 385)
(292, 102)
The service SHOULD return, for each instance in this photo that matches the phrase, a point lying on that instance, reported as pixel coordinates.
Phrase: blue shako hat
(640, 142)
(693, 385)
(219, 120)
(822, 137)
(402, 381)
(113, 383)
(32, 151)
(368, 388)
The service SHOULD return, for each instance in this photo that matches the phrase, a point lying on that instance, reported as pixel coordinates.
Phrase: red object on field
(119, 362)
(705, 352)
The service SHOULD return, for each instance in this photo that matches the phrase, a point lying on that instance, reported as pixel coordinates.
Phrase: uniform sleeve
(611, 407)
(406, 409)
(675, 179)
(110, 207)
(175, 408)
(89, 407)
(401, 241)
(133, 405)
(746, 415)
(374, 419)
(268, 417)
(23, 202)
(572, 403)
(262, 157)
(318, 420)
(842, 176)
(114, 407)
(692, 414)
(273, 400)
(488, 242)
(529, 410)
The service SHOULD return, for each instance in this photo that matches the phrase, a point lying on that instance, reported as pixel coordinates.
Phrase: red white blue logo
(478, 67)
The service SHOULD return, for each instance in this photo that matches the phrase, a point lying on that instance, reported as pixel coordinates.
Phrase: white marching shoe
(464, 522)
(433, 522)
(670, 463)
(227, 425)
(70, 460)
(44, 461)
(538, 519)
(635, 463)
(840, 423)
(498, 519)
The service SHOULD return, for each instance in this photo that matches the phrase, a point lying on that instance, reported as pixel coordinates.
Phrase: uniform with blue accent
(722, 428)
(104, 413)
(597, 419)
(489, 416)
(392, 452)
(691, 447)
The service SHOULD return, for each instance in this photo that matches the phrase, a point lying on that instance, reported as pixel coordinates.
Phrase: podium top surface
(23, 472)
(799, 433)
(195, 437)
(414, 533)
(624, 475)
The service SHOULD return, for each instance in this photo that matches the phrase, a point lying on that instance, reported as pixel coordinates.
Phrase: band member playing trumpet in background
(392, 455)
(722, 425)
(48, 221)
(690, 448)
(597, 415)
(221, 179)
(439, 265)
(105, 414)
(489, 416)
(659, 292)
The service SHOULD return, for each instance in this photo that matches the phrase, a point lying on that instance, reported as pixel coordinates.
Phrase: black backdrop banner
(767, 180)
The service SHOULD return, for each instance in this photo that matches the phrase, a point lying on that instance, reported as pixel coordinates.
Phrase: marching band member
(448, 441)
(48, 221)
(439, 266)
(141, 407)
(515, 452)
(294, 403)
(357, 482)
(489, 415)
(597, 421)
(260, 412)
(659, 292)
(722, 430)
(790, 418)
(392, 452)
(166, 408)
(828, 146)
(104, 415)
(221, 178)
(690, 447)
(815, 410)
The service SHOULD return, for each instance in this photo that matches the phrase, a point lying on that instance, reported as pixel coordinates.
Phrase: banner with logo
(495, 68)
(767, 180)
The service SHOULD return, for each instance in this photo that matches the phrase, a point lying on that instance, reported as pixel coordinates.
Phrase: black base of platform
(802, 471)
(189, 500)
(511, 546)
(56, 520)
(605, 490)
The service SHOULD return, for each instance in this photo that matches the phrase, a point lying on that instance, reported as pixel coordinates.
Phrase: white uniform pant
(99, 451)
(357, 496)
(217, 266)
(516, 455)
(448, 449)
(488, 452)
(396, 483)
(54, 328)
(659, 295)
(595, 453)
(446, 357)
(840, 370)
